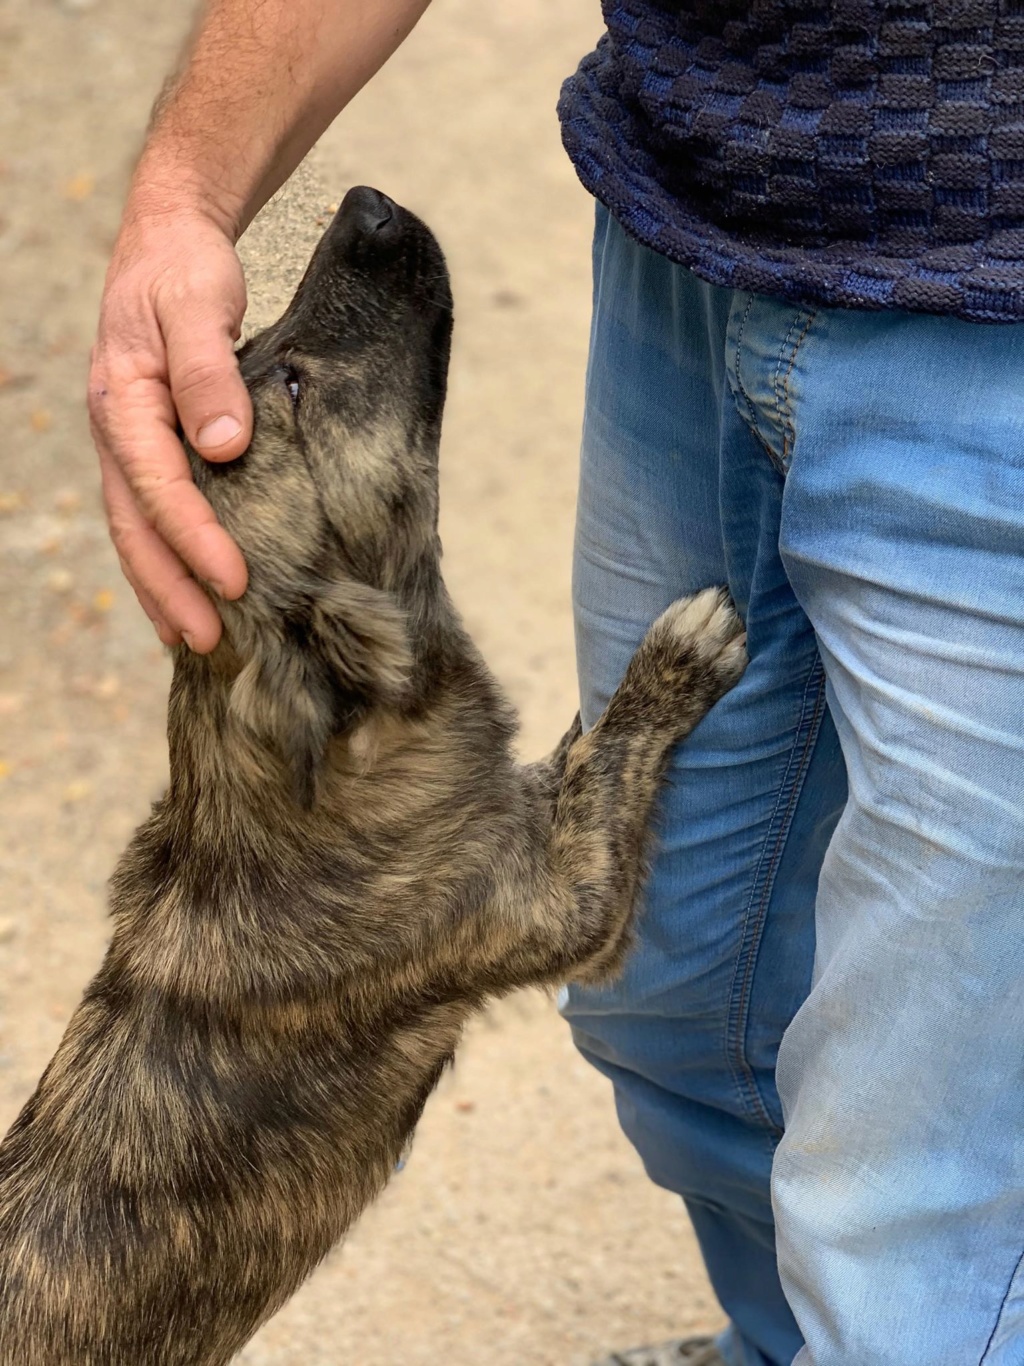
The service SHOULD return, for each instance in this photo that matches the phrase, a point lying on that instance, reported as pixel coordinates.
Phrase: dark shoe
(689, 1352)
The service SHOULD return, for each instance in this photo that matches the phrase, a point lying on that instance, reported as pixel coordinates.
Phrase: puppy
(347, 862)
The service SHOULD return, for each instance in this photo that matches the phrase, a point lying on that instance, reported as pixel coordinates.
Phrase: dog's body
(347, 863)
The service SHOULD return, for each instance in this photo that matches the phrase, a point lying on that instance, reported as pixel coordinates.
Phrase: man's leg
(899, 1186)
(676, 494)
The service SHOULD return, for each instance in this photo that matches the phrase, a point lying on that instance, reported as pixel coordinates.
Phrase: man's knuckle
(125, 537)
(191, 539)
(149, 487)
(187, 291)
(197, 373)
(161, 496)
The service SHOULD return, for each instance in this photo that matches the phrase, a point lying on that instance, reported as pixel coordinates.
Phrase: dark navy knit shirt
(860, 153)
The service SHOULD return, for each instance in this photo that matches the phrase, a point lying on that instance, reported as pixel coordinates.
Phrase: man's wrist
(170, 182)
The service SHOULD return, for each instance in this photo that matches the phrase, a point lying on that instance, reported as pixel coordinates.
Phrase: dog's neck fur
(241, 859)
(230, 777)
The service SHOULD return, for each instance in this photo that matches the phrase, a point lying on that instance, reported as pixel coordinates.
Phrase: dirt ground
(523, 1232)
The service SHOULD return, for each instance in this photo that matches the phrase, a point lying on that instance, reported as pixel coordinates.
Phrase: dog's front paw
(704, 630)
(693, 654)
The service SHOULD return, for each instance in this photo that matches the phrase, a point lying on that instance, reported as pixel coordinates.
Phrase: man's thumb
(209, 394)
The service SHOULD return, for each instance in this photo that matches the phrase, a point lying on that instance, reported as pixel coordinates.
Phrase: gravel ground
(523, 1231)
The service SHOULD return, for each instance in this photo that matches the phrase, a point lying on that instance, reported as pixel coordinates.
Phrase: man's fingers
(171, 598)
(209, 394)
(141, 443)
(163, 487)
(149, 605)
(172, 306)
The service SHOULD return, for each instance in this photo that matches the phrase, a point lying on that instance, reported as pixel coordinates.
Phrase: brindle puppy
(348, 860)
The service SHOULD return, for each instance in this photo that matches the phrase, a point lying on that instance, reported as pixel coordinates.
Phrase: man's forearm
(258, 85)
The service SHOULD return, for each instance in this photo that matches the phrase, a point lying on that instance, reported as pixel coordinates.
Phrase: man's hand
(257, 87)
(172, 309)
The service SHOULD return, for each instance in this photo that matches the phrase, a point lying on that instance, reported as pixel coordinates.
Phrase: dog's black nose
(365, 210)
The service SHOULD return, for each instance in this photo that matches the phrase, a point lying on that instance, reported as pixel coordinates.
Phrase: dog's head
(334, 504)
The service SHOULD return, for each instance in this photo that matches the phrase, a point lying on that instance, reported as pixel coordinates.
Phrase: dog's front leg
(578, 907)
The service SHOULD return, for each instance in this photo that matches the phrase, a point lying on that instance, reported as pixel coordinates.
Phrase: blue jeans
(819, 1041)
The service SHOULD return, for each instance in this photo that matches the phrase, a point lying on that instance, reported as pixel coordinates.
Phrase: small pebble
(80, 187)
(60, 581)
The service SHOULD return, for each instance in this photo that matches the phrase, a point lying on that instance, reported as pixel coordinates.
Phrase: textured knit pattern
(858, 153)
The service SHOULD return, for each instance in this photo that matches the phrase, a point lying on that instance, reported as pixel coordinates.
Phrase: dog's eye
(292, 382)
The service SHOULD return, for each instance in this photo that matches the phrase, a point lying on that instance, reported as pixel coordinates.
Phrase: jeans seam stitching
(788, 426)
(751, 418)
(809, 719)
(1002, 1309)
(778, 383)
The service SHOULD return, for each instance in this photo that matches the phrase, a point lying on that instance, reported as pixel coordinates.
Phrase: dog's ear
(319, 673)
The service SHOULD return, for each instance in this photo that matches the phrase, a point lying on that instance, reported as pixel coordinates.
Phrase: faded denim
(819, 1041)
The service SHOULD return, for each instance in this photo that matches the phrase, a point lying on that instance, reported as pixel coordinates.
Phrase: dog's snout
(366, 212)
(373, 252)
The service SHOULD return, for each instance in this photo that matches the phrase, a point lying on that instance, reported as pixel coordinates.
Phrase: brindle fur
(348, 860)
